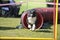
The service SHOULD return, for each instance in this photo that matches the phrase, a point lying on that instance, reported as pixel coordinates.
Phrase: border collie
(31, 17)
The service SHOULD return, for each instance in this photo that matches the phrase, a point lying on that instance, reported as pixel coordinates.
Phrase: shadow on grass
(46, 25)
(45, 31)
(6, 28)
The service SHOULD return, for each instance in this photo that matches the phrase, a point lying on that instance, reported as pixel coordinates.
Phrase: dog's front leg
(33, 27)
(29, 26)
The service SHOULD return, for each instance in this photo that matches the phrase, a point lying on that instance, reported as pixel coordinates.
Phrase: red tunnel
(43, 14)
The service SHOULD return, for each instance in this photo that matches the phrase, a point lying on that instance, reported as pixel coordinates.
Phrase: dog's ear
(33, 10)
(28, 11)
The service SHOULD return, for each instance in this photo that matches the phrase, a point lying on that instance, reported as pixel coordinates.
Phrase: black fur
(32, 11)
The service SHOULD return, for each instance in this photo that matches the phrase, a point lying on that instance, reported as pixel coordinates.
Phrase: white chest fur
(31, 20)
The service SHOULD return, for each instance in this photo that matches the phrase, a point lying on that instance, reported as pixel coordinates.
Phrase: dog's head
(32, 13)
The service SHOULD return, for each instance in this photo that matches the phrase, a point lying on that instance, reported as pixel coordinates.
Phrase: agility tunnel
(43, 15)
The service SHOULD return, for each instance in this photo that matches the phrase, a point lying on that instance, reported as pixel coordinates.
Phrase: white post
(27, 5)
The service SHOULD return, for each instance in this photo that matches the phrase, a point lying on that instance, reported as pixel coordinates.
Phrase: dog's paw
(30, 29)
(29, 26)
(33, 27)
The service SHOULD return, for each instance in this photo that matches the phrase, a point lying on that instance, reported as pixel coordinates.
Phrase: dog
(31, 18)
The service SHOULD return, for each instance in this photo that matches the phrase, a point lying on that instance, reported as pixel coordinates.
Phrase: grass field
(31, 4)
(8, 28)
(58, 31)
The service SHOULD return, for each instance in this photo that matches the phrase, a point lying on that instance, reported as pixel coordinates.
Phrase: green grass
(9, 21)
(31, 4)
(8, 29)
(58, 31)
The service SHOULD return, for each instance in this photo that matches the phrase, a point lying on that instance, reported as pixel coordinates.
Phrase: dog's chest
(31, 20)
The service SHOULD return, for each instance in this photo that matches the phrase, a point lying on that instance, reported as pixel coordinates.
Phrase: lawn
(31, 4)
(58, 31)
(8, 29)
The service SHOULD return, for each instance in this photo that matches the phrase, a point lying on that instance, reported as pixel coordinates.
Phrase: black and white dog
(31, 17)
